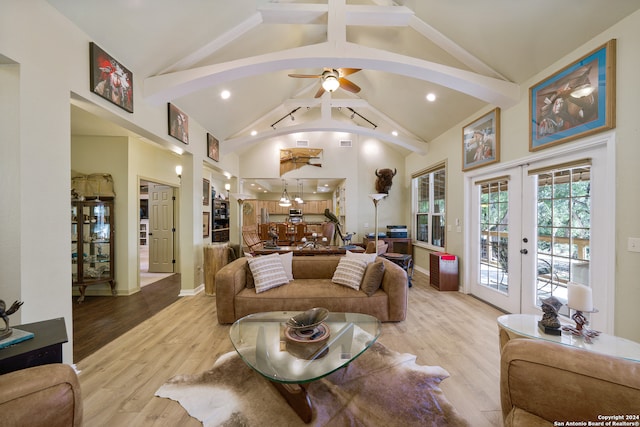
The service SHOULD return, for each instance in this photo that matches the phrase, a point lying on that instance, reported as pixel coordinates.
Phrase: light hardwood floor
(448, 329)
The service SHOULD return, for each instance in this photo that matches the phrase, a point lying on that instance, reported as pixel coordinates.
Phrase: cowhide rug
(380, 388)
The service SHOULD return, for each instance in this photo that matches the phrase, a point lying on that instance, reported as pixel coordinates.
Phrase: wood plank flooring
(101, 319)
(449, 329)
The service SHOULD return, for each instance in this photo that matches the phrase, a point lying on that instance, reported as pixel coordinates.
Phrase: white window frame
(431, 214)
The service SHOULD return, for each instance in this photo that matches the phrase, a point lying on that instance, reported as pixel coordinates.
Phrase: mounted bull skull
(383, 183)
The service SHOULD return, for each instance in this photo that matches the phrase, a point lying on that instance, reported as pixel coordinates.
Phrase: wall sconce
(227, 187)
(179, 171)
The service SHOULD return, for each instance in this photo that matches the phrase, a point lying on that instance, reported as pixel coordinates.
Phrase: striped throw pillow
(268, 272)
(349, 272)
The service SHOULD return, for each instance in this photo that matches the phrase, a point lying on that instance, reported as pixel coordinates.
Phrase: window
(429, 206)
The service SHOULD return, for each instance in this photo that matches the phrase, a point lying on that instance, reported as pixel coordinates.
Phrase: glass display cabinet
(92, 248)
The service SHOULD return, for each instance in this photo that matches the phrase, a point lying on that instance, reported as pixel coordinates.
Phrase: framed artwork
(205, 224)
(213, 147)
(178, 124)
(481, 141)
(577, 101)
(110, 79)
(206, 186)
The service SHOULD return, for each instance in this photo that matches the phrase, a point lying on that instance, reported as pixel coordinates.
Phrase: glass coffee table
(267, 345)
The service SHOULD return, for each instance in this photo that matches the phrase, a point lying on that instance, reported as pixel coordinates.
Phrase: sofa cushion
(362, 256)
(268, 272)
(372, 278)
(287, 259)
(250, 282)
(349, 272)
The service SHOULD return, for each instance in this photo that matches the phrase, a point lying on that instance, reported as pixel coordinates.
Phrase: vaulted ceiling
(468, 53)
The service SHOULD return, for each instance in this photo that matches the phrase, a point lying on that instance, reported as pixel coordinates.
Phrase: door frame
(605, 295)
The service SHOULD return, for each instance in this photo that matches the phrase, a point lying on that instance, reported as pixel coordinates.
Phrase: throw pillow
(250, 283)
(365, 257)
(372, 278)
(287, 260)
(268, 272)
(349, 272)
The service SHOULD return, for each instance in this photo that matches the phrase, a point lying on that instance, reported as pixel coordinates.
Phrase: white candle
(579, 297)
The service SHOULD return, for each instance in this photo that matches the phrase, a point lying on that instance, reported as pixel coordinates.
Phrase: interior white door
(161, 229)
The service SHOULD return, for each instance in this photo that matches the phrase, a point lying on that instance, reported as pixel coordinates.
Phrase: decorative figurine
(274, 237)
(346, 239)
(550, 323)
(7, 331)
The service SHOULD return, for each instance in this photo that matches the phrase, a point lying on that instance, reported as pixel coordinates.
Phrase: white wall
(52, 67)
(356, 164)
(515, 145)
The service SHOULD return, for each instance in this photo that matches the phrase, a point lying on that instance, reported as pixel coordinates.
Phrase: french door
(536, 227)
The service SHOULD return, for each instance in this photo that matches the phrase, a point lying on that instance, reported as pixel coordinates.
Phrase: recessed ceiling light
(394, 133)
(431, 97)
(254, 132)
(225, 94)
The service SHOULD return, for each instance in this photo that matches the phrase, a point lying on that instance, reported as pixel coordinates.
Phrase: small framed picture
(206, 186)
(110, 79)
(213, 148)
(205, 224)
(481, 141)
(577, 101)
(178, 124)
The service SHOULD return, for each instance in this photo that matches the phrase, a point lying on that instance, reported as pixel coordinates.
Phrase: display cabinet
(92, 245)
(220, 220)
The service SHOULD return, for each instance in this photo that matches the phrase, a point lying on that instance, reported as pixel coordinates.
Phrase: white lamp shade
(330, 83)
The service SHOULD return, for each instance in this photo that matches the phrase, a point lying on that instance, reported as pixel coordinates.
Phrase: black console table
(44, 348)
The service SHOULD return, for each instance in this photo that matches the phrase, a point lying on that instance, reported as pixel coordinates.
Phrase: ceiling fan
(332, 79)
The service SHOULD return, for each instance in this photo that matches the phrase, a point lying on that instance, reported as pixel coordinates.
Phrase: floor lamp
(240, 198)
(376, 198)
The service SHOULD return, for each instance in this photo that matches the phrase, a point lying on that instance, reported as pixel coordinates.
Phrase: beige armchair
(542, 382)
(46, 396)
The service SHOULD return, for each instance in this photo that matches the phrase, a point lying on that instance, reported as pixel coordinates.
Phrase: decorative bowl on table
(306, 335)
(308, 320)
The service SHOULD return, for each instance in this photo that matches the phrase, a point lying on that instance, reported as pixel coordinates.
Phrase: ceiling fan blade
(346, 71)
(305, 76)
(320, 92)
(348, 85)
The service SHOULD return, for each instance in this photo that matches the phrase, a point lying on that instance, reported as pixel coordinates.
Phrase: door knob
(524, 251)
(525, 240)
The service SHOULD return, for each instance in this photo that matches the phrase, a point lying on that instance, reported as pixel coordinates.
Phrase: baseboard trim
(191, 292)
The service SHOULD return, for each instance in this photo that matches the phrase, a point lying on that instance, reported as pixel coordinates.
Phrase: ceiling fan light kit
(332, 80)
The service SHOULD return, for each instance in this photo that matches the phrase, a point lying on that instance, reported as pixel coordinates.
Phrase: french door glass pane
(494, 235)
(563, 218)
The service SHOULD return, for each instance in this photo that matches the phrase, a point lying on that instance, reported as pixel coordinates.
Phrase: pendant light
(285, 200)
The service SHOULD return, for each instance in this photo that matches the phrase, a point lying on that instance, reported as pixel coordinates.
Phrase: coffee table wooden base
(297, 397)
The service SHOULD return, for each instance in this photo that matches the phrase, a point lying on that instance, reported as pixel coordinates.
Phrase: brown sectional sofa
(311, 287)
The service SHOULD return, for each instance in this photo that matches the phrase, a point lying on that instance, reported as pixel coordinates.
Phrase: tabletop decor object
(6, 331)
(549, 324)
(580, 300)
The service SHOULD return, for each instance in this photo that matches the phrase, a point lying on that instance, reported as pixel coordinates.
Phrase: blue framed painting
(577, 101)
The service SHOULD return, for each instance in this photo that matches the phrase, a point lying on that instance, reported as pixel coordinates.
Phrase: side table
(405, 261)
(44, 348)
(526, 326)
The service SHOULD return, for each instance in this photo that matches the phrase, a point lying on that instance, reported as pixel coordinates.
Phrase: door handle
(150, 234)
(524, 251)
